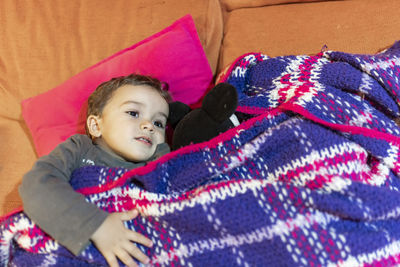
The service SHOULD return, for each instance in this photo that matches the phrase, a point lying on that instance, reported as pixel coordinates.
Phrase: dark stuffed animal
(215, 116)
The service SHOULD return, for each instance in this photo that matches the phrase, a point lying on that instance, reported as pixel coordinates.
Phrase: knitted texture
(312, 179)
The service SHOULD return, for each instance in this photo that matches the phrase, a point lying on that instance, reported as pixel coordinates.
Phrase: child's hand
(113, 240)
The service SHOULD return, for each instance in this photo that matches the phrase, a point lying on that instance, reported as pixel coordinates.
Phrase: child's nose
(147, 125)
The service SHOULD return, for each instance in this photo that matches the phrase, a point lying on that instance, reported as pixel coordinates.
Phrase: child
(125, 127)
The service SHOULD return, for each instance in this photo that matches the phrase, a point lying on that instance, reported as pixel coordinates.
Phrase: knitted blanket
(310, 179)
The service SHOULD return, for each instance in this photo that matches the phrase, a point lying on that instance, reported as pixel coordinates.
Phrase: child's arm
(114, 240)
(50, 201)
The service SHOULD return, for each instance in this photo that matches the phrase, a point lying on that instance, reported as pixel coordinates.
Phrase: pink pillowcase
(173, 55)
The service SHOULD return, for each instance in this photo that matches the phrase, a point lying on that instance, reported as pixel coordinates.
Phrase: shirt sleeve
(50, 201)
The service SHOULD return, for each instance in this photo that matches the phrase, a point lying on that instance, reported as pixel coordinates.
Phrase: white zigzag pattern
(273, 95)
(379, 178)
(379, 64)
(296, 83)
(135, 193)
(368, 258)
(23, 240)
(360, 119)
(204, 197)
(366, 83)
(240, 71)
(249, 150)
(392, 156)
(213, 219)
(319, 156)
(281, 228)
(317, 86)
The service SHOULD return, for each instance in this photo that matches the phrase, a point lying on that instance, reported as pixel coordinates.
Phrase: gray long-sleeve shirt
(50, 201)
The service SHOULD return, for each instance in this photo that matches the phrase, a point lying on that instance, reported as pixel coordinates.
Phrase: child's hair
(103, 93)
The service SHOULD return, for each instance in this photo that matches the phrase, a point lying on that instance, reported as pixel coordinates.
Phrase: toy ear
(177, 110)
(221, 102)
(211, 119)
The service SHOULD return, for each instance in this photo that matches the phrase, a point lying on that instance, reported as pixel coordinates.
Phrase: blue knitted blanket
(310, 179)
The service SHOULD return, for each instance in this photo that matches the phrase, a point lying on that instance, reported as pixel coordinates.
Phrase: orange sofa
(46, 42)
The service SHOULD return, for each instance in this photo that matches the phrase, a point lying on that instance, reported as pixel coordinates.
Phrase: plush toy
(215, 116)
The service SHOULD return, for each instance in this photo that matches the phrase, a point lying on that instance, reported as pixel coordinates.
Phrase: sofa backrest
(304, 27)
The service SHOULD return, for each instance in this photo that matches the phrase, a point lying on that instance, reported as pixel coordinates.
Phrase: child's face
(133, 122)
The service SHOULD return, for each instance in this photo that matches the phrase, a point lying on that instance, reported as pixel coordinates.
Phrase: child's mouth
(144, 140)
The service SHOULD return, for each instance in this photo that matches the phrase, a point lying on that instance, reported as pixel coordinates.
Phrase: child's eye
(159, 124)
(133, 113)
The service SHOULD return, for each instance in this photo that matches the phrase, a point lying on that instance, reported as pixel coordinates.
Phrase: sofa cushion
(304, 28)
(17, 156)
(173, 55)
(46, 42)
(230, 5)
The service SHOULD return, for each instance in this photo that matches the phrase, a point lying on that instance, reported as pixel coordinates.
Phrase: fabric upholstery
(230, 5)
(304, 28)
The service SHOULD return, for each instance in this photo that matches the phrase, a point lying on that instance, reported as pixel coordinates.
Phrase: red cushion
(173, 55)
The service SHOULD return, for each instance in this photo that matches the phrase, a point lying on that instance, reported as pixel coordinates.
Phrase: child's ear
(93, 125)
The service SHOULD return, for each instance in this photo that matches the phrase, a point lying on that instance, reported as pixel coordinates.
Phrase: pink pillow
(173, 55)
